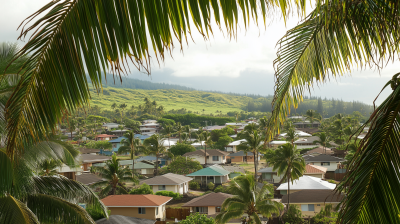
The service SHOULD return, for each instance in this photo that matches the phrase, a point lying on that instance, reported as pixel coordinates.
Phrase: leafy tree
(194, 185)
(154, 145)
(293, 215)
(114, 176)
(182, 165)
(165, 122)
(197, 218)
(288, 161)
(143, 189)
(312, 116)
(291, 135)
(168, 129)
(248, 199)
(223, 142)
(104, 144)
(210, 186)
(179, 130)
(179, 149)
(324, 140)
(130, 145)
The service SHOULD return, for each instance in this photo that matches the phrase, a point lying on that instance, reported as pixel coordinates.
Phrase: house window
(283, 192)
(232, 157)
(161, 187)
(156, 211)
(215, 158)
(114, 145)
(307, 208)
(142, 210)
(210, 178)
(217, 209)
(223, 157)
(325, 163)
(200, 209)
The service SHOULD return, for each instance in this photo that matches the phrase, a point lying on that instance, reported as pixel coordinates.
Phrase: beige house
(208, 204)
(310, 202)
(315, 171)
(146, 206)
(169, 182)
(214, 156)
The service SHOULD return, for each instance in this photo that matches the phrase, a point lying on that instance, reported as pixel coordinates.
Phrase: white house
(330, 162)
(214, 156)
(169, 182)
(306, 183)
(231, 147)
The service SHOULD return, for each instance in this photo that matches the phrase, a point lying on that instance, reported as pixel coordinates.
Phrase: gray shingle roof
(313, 196)
(235, 169)
(322, 158)
(210, 152)
(168, 179)
(88, 178)
(120, 219)
(211, 199)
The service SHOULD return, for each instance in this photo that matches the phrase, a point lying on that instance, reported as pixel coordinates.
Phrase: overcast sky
(244, 65)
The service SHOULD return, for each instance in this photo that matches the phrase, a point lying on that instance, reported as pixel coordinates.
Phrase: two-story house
(116, 143)
(330, 162)
(213, 156)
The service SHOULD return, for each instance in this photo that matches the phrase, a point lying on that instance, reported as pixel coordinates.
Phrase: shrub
(194, 185)
(197, 218)
(210, 186)
(176, 196)
(219, 189)
(180, 149)
(96, 213)
(143, 189)
(293, 215)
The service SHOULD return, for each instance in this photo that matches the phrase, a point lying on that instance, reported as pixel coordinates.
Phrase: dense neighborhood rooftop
(210, 171)
(168, 179)
(135, 200)
(210, 152)
(211, 199)
(88, 178)
(308, 183)
(322, 158)
(313, 196)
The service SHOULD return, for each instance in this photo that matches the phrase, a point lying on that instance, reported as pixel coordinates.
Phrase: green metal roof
(210, 171)
(141, 165)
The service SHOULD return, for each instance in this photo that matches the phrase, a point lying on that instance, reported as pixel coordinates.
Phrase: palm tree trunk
(288, 194)
(156, 164)
(255, 166)
(180, 137)
(205, 154)
(133, 161)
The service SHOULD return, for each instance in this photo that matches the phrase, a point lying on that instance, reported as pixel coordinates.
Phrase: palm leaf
(70, 38)
(51, 209)
(6, 174)
(373, 178)
(15, 211)
(332, 38)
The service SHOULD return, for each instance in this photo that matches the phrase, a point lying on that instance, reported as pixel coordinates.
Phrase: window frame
(142, 210)
(213, 158)
(163, 187)
(157, 210)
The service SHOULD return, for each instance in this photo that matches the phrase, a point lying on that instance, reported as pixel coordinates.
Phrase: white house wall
(332, 167)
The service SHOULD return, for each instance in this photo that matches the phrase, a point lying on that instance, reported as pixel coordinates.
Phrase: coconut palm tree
(200, 138)
(249, 200)
(324, 140)
(254, 142)
(187, 130)
(114, 176)
(48, 167)
(154, 145)
(312, 115)
(288, 161)
(179, 129)
(168, 130)
(130, 145)
(207, 142)
(291, 135)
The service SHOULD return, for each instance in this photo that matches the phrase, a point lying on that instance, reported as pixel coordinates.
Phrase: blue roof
(210, 171)
(118, 140)
(141, 137)
(150, 158)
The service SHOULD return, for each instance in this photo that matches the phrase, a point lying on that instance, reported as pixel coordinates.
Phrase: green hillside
(171, 99)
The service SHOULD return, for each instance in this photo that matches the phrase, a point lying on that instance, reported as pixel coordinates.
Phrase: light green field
(171, 99)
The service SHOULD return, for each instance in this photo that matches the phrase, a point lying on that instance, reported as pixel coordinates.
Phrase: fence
(161, 222)
(179, 213)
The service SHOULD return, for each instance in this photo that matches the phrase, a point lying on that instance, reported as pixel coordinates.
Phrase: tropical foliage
(154, 145)
(254, 143)
(130, 145)
(197, 218)
(248, 199)
(143, 189)
(182, 165)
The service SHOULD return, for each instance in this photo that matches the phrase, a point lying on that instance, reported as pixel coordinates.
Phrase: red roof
(135, 200)
(315, 169)
(105, 136)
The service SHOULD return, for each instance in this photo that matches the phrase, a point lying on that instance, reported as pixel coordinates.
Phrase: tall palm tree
(353, 32)
(288, 161)
(154, 145)
(130, 145)
(248, 199)
(291, 135)
(179, 129)
(114, 176)
(323, 140)
(168, 129)
(48, 167)
(187, 130)
(312, 115)
(207, 142)
(254, 142)
(200, 138)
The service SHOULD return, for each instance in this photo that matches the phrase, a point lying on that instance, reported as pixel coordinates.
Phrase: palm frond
(6, 174)
(15, 211)
(51, 209)
(331, 39)
(373, 174)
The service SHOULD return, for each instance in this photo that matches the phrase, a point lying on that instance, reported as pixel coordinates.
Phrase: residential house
(305, 183)
(162, 161)
(143, 167)
(320, 150)
(109, 126)
(145, 206)
(215, 127)
(89, 151)
(88, 160)
(306, 124)
(116, 219)
(276, 144)
(298, 133)
(103, 137)
(116, 143)
(208, 204)
(309, 141)
(310, 202)
(214, 156)
(241, 157)
(234, 171)
(169, 182)
(119, 132)
(269, 175)
(141, 137)
(150, 128)
(231, 147)
(309, 130)
(149, 121)
(328, 161)
(215, 174)
(69, 172)
(88, 178)
(315, 171)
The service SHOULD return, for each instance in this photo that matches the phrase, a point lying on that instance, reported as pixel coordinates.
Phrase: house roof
(322, 158)
(320, 150)
(150, 158)
(199, 144)
(138, 165)
(315, 169)
(135, 200)
(308, 183)
(278, 142)
(118, 219)
(87, 158)
(88, 178)
(235, 169)
(124, 130)
(210, 152)
(210, 171)
(313, 196)
(309, 140)
(267, 170)
(299, 133)
(141, 137)
(167, 179)
(211, 199)
(117, 140)
(241, 153)
(309, 130)
(234, 143)
(86, 151)
(105, 136)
